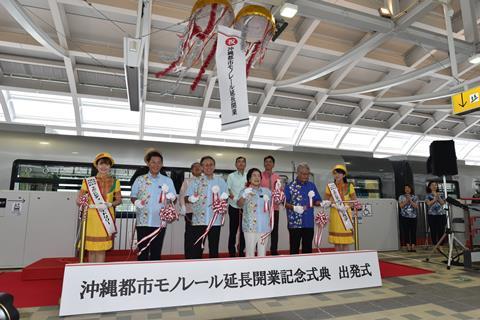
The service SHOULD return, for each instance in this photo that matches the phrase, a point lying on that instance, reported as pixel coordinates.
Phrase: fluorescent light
(475, 59)
(472, 163)
(44, 142)
(384, 12)
(288, 10)
(381, 155)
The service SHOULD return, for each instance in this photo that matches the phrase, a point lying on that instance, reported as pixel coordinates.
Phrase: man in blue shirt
(150, 193)
(200, 194)
(236, 183)
(299, 211)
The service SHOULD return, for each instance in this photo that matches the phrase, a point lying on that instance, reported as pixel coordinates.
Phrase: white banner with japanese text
(232, 78)
(111, 287)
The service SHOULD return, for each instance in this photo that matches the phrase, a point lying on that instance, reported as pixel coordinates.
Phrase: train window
(367, 187)
(453, 189)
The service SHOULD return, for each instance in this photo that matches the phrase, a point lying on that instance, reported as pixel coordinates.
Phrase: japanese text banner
(98, 288)
(232, 78)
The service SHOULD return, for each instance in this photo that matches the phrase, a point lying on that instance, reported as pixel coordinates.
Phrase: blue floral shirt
(150, 188)
(408, 211)
(202, 209)
(296, 193)
(255, 219)
(435, 209)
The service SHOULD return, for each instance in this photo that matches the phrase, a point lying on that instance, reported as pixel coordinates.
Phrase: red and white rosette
(321, 220)
(268, 208)
(357, 205)
(82, 205)
(219, 208)
(168, 214)
(311, 194)
(163, 194)
(278, 195)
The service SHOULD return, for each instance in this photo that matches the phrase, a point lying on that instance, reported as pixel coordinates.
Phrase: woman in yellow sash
(97, 239)
(337, 233)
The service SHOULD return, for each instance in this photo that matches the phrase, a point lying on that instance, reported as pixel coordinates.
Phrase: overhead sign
(102, 287)
(232, 78)
(466, 102)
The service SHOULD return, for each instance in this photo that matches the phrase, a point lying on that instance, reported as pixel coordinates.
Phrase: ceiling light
(475, 59)
(384, 12)
(44, 142)
(288, 10)
(219, 154)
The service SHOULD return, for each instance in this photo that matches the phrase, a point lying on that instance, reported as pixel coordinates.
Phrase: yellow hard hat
(103, 155)
(340, 167)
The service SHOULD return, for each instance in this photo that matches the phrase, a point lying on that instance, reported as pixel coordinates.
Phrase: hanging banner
(232, 78)
(111, 287)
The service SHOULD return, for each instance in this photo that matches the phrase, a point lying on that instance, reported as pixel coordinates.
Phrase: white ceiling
(339, 77)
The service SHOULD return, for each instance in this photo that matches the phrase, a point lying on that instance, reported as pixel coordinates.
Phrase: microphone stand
(448, 233)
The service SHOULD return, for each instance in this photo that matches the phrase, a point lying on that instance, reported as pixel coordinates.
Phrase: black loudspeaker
(403, 175)
(443, 160)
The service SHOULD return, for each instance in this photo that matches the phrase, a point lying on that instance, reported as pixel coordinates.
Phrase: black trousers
(437, 226)
(303, 235)
(274, 235)
(188, 225)
(408, 230)
(195, 250)
(235, 216)
(154, 250)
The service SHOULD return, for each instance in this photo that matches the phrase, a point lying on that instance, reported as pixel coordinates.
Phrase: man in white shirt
(186, 208)
(236, 183)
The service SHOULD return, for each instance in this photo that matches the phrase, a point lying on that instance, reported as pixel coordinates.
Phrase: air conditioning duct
(132, 52)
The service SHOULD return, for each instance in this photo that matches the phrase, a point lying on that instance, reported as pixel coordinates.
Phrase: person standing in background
(202, 193)
(186, 208)
(100, 232)
(149, 195)
(338, 234)
(255, 201)
(301, 196)
(436, 215)
(235, 183)
(269, 179)
(408, 203)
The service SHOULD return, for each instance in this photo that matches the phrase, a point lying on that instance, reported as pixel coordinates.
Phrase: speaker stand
(448, 233)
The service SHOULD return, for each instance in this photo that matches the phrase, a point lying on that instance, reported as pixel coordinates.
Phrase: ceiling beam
(304, 32)
(430, 124)
(63, 33)
(263, 103)
(7, 112)
(466, 125)
(143, 31)
(24, 20)
(470, 14)
(206, 101)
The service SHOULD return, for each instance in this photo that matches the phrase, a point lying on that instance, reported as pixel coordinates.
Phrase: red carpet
(46, 292)
(390, 269)
(32, 293)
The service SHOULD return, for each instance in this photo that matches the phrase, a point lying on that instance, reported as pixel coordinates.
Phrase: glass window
(322, 135)
(212, 128)
(275, 130)
(397, 143)
(361, 139)
(171, 121)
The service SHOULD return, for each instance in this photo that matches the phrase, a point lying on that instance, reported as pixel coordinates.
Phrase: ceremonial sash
(344, 217)
(105, 216)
